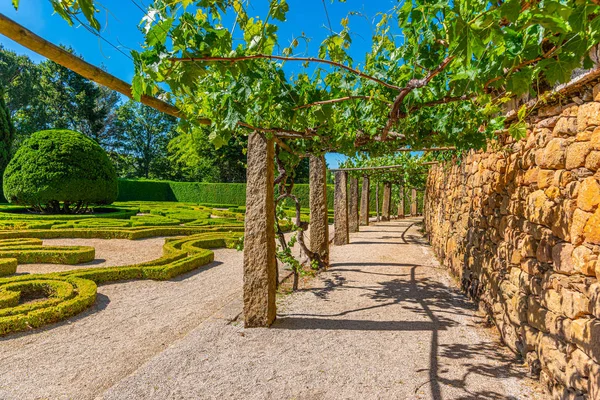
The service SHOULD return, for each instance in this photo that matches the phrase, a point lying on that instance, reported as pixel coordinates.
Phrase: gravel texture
(109, 253)
(385, 322)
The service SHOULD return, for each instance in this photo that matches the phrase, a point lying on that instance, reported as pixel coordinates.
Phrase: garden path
(384, 322)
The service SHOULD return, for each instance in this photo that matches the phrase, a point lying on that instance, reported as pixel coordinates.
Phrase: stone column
(377, 201)
(413, 204)
(340, 209)
(319, 224)
(260, 266)
(353, 206)
(387, 201)
(401, 202)
(364, 202)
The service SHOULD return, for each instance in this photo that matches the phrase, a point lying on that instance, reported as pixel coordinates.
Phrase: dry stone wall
(520, 227)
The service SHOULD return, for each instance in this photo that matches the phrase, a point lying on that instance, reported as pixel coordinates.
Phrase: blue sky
(120, 27)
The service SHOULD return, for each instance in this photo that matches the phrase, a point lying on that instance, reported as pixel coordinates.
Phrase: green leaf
(518, 131)
(137, 87)
(88, 9)
(511, 10)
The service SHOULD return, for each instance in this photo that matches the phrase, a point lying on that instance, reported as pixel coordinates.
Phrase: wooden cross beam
(407, 149)
(35, 43)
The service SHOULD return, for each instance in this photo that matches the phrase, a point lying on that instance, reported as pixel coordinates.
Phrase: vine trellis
(437, 74)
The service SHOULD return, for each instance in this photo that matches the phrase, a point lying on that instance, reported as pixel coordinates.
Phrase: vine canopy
(437, 72)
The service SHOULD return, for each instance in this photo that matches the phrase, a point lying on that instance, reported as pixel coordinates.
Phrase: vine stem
(284, 58)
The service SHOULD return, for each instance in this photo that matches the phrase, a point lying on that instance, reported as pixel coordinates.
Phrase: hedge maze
(29, 301)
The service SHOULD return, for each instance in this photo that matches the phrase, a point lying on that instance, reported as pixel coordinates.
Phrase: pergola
(260, 265)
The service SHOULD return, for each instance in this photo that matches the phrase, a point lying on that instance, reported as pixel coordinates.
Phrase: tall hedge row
(197, 192)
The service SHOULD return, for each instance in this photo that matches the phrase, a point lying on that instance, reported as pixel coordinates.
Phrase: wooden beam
(407, 149)
(367, 168)
(33, 42)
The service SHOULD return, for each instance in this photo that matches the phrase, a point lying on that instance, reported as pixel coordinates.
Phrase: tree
(6, 136)
(143, 133)
(47, 95)
(75, 102)
(60, 171)
(20, 77)
(194, 158)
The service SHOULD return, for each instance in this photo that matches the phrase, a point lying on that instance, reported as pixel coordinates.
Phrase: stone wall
(520, 227)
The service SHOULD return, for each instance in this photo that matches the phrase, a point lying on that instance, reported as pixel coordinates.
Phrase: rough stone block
(592, 228)
(553, 156)
(588, 197)
(588, 116)
(584, 261)
(574, 304)
(545, 178)
(564, 126)
(592, 161)
(580, 219)
(595, 139)
(585, 333)
(562, 258)
(576, 154)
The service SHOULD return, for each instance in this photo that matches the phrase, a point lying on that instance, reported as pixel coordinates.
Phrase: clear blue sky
(120, 27)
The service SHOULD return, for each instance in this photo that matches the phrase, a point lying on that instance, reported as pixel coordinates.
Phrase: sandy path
(109, 253)
(382, 323)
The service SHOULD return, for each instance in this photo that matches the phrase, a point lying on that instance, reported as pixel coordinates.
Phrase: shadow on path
(443, 308)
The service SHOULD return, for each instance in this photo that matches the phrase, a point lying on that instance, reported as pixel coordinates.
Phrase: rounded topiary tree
(60, 171)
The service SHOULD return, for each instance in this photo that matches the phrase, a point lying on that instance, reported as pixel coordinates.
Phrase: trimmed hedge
(10, 213)
(68, 293)
(228, 195)
(8, 266)
(210, 194)
(31, 251)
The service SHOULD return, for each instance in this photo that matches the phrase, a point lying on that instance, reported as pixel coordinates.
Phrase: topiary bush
(60, 171)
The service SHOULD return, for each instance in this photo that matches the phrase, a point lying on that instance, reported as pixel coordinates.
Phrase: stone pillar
(340, 209)
(353, 206)
(377, 201)
(387, 201)
(413, 204)
(364, 202)
(260, 265)
(319, 223)
(401, 202)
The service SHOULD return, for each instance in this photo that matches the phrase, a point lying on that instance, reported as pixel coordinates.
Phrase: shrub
(57, 167)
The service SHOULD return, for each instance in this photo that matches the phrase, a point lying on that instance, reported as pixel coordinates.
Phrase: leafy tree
(20, 78)
(143, 133)
(60, 171)
(194, 158)
(6, 136)
(47, 95)
(75, 102)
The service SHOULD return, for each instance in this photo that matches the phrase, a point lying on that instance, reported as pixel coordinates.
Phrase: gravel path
(383, 323)
(109, 253)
